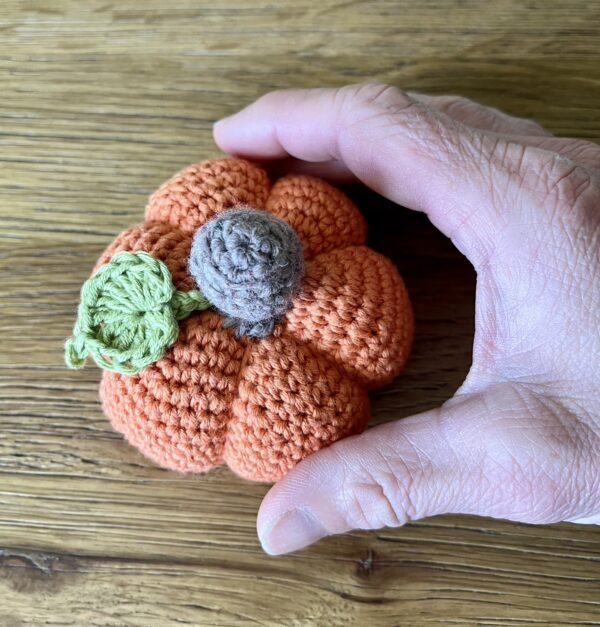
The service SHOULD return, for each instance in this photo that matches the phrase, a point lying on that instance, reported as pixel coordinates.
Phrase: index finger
(396, 145)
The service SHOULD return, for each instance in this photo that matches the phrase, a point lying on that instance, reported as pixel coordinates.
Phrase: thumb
(390, 475)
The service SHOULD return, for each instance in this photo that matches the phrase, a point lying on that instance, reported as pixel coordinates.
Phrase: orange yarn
(263, 405)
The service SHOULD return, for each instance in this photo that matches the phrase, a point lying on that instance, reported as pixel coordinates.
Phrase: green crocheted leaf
(128, 314)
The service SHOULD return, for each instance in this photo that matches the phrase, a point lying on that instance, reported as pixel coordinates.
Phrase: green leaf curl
(128, 314)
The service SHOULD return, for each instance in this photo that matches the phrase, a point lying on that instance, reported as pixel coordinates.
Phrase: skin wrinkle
(555, 181)
(357, 488)
(451, 151)
(399, 501)
(395, 485)
(476, 115)
(562, 447)
(405, 509)
(516, 469)
(546, 287)
(570, 184)
(497, 173)
(322, 469)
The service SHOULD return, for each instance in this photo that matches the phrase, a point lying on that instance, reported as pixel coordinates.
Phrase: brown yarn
(263, 405)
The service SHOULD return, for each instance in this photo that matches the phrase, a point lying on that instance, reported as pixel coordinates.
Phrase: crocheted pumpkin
(258, 393)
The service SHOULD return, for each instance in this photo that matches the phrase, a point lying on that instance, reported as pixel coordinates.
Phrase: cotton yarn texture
(283, 367)
(128, 314)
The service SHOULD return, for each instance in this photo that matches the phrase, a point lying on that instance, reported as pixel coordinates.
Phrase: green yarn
(128, 314)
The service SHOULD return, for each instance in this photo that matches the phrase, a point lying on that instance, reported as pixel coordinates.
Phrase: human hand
(520, 439)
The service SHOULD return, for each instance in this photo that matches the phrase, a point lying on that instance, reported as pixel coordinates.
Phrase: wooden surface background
(101, 101)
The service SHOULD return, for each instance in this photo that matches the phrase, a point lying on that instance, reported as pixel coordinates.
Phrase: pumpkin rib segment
(196, 193)
(176, 411)
(163, 241)
(323, 216)
(290, 403)
(354, 307)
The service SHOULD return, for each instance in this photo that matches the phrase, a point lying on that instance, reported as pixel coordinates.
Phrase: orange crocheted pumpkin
(262, 404)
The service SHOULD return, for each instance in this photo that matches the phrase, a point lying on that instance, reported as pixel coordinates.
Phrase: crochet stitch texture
(250, 264)
(262, 404)
(128, 314)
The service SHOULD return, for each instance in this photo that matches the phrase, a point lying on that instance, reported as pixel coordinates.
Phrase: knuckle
(505, 155)
(386, 111)
(377, 495)
(473, 113)
(583, 151)
(459, 106)
(358, 104)
(557, 180)
(379, 96)
(272, 99)
(531, 127)
(567, 181)
(382, 501)
(490, 118)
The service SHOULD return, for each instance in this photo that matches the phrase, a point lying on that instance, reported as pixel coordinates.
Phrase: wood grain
(101, 101)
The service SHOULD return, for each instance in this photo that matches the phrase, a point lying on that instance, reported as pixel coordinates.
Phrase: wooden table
(103, 100)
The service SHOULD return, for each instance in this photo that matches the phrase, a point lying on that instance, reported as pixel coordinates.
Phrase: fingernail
(294, 530)
(220, 122)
